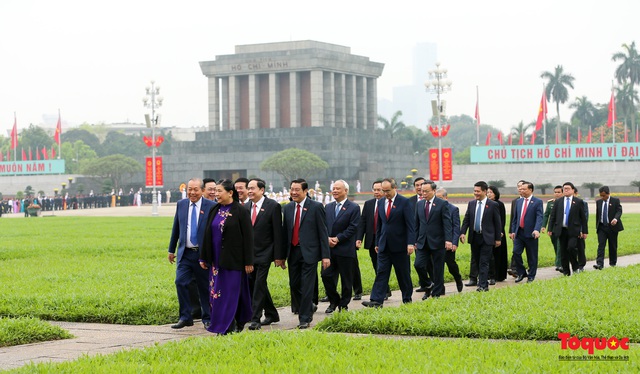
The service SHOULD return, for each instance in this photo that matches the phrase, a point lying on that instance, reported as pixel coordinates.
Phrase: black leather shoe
(330, 309)
(512, 273)
(324, 299)
(492, 282)
(422, 289)
(206, 325)
(255, 326)
(559, 268)
(597, 267)
(303, 325)
(314, 309)
(530, 280)
(372, 304)
(268, 321)
(182, 324)
(480, 289)
(426, 296)
(238, 328)
(357, 296)
(459, 284)
(519, 278)
(388, 295)
(343, 309)
(471, 283)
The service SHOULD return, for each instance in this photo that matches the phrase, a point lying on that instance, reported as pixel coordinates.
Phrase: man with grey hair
(343, 217)
(187, 235)
(450, 255)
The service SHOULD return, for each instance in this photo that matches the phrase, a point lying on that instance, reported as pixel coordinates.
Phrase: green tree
(119, 143)
(592, 186)
(635, 183)
(543, 187)
(86, 136)
(421, 140)
(34, 137)
(626, 97)
(392, 126)
(499, 183)
(521, 130)
(628, 71)
(585, 113)
(75, 155)
(556, 89)
(113, 167)
(294, 163)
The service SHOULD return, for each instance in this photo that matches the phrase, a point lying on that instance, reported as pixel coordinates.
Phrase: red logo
(592, 344)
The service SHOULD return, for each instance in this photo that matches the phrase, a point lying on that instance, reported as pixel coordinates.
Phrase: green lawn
(115, 269)
(16, 331)
(317, 352)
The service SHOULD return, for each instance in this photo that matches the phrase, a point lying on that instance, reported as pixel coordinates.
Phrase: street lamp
(153, 101)
(438, 84)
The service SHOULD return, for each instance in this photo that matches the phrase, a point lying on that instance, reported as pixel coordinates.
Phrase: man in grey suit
(187, 235)
(433, 229)
(306, 243)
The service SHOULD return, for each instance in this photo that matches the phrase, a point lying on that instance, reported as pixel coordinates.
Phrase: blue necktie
(476, 227)
(194, 225)
(567, 207)
(337, 209)
(605, 212)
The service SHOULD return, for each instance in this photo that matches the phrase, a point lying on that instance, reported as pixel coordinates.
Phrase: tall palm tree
(520, 130)
(394, 125)
(556, 89)
(585, 113)
(626, 96)
(628, 70)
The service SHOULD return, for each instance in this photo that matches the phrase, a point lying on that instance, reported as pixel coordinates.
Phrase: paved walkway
(95, 338)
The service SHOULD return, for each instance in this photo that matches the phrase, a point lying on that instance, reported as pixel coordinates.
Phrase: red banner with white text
(149, 172)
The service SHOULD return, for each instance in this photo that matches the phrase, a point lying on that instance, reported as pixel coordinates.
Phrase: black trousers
(343, 267)
(303, 278)
(483, 253)
(357, 277)
(261, 297)
(568, 251)
(605, 233)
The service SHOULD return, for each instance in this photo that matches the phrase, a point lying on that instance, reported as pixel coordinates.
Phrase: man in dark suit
(266, 218)
(424, 269)
(305, 231)
(608, 225)
(525, 231)
(395, 242)
(569, 222)
(482, 219)
(368, 226)
(557, 193)
(343, 217)
(433, 230)
(187, 235)
(450, 255)
(582, 244)
(512, 267)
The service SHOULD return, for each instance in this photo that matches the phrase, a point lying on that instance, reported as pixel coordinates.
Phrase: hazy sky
(92, 60)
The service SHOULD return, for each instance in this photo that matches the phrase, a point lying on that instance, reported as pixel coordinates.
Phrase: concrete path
(94, 338)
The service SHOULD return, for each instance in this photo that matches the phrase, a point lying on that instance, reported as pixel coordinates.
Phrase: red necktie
(255, 213)
(375, 218)
(389, 208)
(524, 211)
(295, 239)
(427, 207)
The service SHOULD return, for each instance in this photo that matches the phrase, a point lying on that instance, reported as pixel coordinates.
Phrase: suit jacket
(397, 232)
(433, 231)
(344, 226)
(179, 230)
(614, 210)
(413, 200)
(237, 239)
(313, 234)
(267, 231)
(490, 223)
(532, 217)
(547, 213)
(365, 227)
(455, 221)
(577, 218)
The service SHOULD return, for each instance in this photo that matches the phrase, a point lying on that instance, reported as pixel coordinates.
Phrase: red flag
(602, 135)
(533, 138)
(521, 141)
(30, 154)
(589, 136)
(45, 155)
(510, 139)
(542, 111)
(24, 155)
(53, 152)
(626, 136)
(56, 136)
(500, 137)
(477, 116)
(1, 157)
(557, 136)
(567, 135)
(37, 154)
(612, 111)
(579, 136)
(14, 134)
(637, 134)
(488, 141)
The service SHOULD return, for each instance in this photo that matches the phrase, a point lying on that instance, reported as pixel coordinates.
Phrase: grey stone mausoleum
(304, 94)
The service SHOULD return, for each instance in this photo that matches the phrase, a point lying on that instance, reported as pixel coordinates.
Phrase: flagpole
(15, 150)
(544, 122)
(59, 127)
(613, 115)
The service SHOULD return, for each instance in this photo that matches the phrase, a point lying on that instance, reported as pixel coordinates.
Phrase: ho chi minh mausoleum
(266, 98)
